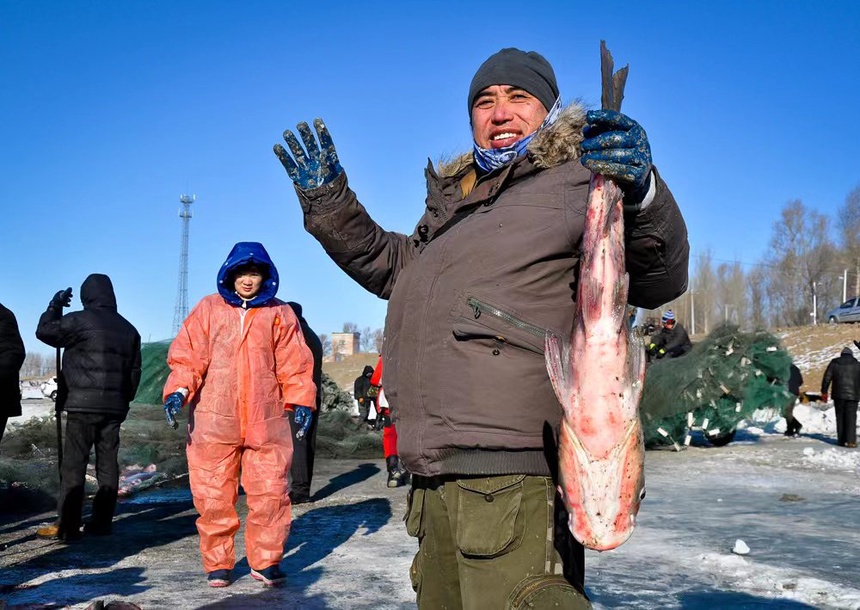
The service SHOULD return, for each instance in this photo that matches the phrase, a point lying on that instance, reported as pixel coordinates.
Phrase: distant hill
(344, 372)
(813, 347)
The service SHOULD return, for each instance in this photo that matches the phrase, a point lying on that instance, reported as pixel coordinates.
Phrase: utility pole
(692, 312)
(814, 306)
(180, 312)
(845, 285)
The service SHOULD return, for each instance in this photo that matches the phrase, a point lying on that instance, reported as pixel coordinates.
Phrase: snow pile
(833, 458)
(778, 582)
(815, 420)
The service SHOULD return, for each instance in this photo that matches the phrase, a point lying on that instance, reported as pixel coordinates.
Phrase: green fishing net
(715, 386)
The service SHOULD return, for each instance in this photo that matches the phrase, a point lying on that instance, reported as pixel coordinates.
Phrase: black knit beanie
(527, 70)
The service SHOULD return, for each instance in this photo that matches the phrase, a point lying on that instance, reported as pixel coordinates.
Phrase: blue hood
(243, 253)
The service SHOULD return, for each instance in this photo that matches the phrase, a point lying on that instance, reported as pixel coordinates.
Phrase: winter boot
(397, 476)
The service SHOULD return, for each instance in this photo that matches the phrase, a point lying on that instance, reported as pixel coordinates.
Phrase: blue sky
(112, 110)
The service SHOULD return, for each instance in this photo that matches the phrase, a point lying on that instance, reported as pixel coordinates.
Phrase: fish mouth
(603, 497)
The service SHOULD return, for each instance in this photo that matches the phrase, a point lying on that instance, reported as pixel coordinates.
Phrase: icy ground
(794, 502)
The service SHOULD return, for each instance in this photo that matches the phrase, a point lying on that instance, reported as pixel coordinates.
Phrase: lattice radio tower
(181, 310)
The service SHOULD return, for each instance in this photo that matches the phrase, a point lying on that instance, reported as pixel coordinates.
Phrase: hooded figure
(11, 359)
(241, 362)
(100, 375)
(844, 373)
(360, 389)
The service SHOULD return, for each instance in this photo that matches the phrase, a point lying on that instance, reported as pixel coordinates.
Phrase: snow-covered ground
(794, 502)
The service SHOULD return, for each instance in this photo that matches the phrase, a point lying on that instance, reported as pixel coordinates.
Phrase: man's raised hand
(315, 164)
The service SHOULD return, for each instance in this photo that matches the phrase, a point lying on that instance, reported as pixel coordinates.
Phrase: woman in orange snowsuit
(240, 362)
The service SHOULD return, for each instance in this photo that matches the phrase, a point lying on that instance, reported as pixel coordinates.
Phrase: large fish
(598, 377)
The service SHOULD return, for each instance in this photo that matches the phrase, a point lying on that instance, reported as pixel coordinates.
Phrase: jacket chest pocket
(490, 517)
(498, 327)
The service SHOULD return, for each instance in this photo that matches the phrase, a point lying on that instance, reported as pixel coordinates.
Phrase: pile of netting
(719, 383)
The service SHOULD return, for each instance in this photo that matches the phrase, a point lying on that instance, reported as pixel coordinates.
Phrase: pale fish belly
(598, 379)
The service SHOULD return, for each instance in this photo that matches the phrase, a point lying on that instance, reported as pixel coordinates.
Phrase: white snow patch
(779, 583)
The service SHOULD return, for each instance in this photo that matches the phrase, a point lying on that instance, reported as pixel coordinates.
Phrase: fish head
(604, 493)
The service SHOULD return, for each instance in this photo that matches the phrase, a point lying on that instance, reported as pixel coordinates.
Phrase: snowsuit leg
(265, 467)
(389, 440)
(213, 472)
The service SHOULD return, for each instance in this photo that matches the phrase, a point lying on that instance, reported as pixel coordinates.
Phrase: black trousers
(846, 421)
(83, 431)
(3, 420)
(302, 468)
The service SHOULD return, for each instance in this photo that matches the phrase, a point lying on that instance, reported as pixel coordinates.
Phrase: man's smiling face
(502, 115)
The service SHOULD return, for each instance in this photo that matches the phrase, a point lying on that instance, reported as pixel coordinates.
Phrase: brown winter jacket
(474, 289)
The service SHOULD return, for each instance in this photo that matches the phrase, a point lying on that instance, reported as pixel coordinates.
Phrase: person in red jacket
(397, 476)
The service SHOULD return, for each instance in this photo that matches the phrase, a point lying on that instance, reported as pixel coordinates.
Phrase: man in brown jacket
(490, 268)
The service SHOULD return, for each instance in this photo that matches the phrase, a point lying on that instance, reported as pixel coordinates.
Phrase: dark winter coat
(844, 373)
(314, 344)
(11, 358)
(486, 272)
(101, 361)
(362, 383)
(673, 341)
(795, 379)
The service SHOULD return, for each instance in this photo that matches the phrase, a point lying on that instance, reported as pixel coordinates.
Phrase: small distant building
(344, 344)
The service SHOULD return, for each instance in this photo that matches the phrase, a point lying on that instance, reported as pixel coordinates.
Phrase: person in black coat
(672, 340)
(795, 380)
(11, 358)
(844, 373)
(304, 449)
(360, 390)
(99, 378)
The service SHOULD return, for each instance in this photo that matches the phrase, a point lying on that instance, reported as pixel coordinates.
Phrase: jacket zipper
(479, 307)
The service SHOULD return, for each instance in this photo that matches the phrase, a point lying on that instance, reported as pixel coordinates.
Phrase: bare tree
(366, 340)
(378, 336)
(704, 287)
(731, 293)
(848, 224)
(756, 295)
(36, 365)
(350, 327)
(326, 344)
(799, 256)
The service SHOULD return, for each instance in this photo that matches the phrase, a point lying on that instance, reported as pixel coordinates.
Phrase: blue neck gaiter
(489, 159)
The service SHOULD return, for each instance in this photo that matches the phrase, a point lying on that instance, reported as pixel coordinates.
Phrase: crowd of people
(494, 254)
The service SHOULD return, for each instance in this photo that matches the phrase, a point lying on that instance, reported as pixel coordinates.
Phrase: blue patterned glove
(172, 405)
(303, 417)
(617, 147)
(316, 167)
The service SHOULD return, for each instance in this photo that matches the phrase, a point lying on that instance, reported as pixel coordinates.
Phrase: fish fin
(636, 357)
(619, 300)
(557, 358)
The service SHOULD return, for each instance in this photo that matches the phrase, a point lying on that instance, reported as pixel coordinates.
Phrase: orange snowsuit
(242, 368)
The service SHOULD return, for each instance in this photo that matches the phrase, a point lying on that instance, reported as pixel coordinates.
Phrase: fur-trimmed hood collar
(551, 147)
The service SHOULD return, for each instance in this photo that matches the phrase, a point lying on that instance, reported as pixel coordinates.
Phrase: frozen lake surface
(794, 502)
